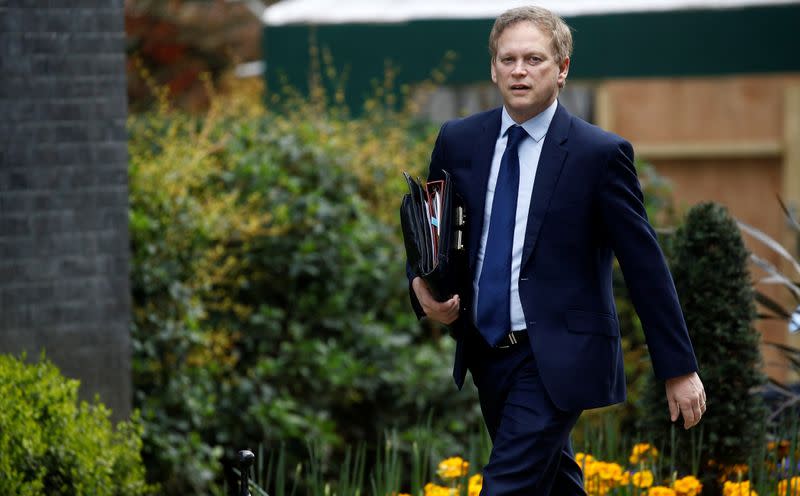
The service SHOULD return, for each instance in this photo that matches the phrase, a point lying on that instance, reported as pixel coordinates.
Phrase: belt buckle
(511, 339)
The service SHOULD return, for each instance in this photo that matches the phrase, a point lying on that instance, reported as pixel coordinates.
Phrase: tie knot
(515, 135)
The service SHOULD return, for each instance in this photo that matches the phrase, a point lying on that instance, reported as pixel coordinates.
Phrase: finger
(701, 405)
(698, 414)
(452, 316)
(450, 306)
(442, 306)
(673, 410)
(698, 386)
(689, 417)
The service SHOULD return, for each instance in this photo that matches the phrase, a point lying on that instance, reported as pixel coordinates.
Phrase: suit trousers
(531, 450)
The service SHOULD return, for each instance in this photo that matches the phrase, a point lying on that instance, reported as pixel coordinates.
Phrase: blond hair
(543, 19)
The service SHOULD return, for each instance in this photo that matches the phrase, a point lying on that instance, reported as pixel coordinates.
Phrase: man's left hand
(686, 396)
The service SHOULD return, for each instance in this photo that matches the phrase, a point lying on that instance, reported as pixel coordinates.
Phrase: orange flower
(601, 477)
(642, 479)
(475, 485)
(432, 489)
(660, 491)
(643, 452)
(687, 486)
(453, 468)
(584, 459)
(737, 489)
(789, 487)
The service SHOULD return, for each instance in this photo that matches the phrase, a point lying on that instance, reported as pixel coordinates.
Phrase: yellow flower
(687, 486)
(453, 468)
(643, 479)
(660, 491)
(584, 459)
(602, 477)
(432, 489)
(738, 489)
(643, 452)
(475, 485)
(789, 487)
(610, 471)
(596, 487)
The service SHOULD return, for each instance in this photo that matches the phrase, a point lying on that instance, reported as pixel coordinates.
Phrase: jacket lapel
(481, 166)
(551, 161)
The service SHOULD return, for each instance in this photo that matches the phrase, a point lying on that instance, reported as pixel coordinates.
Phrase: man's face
(525, 70)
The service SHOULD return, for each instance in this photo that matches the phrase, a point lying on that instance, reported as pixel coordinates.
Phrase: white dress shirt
(529, 150)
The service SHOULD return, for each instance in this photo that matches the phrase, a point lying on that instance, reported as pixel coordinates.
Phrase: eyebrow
(502, 55)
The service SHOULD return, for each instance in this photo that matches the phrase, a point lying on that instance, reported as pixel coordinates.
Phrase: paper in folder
(433, 219)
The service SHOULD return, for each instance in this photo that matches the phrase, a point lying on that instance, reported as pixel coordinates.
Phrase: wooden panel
(710, 150)
(748, 189)
(748, 108)
(791, 174)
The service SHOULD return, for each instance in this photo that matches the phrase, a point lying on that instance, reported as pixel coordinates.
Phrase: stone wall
(64, 249)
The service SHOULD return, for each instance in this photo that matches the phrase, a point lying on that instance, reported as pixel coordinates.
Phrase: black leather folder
(433, 218)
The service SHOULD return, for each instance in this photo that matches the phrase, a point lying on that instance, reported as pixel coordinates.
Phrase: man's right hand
(445, 312)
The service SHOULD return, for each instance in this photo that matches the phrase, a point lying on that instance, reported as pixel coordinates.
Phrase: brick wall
(64, 250)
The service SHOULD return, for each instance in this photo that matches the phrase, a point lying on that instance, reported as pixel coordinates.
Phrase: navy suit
(586, 208)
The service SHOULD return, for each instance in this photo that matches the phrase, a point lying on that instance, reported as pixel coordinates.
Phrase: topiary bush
(709, 265)
(51, 444)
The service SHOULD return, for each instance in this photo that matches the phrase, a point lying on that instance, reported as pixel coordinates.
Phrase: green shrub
(710, 270)
(52, 445)
(270, 298)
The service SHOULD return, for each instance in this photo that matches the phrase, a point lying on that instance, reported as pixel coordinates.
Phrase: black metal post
(246, 459)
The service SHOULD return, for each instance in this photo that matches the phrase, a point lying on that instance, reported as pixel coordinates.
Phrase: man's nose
(519, 69)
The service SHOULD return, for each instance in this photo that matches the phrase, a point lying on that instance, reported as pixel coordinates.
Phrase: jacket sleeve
(434, 171)
(643, 266)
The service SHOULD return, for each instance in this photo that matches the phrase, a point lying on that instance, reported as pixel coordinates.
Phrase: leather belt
(512, 338)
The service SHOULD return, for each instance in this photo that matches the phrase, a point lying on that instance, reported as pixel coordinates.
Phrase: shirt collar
(536, 126)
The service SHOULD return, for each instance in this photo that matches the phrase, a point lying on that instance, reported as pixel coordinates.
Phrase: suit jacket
(586, 208)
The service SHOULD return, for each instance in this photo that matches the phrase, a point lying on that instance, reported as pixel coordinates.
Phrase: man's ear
(563, 70)
(494, 73)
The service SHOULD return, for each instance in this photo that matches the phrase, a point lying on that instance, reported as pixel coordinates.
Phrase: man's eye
(534, 60)
(507, 60)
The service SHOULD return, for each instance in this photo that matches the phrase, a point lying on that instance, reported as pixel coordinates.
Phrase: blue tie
(494, 285)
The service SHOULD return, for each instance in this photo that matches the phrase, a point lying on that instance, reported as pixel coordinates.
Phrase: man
(550, 200)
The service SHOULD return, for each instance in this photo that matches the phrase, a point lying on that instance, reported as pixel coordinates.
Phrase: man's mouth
(520, 87)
